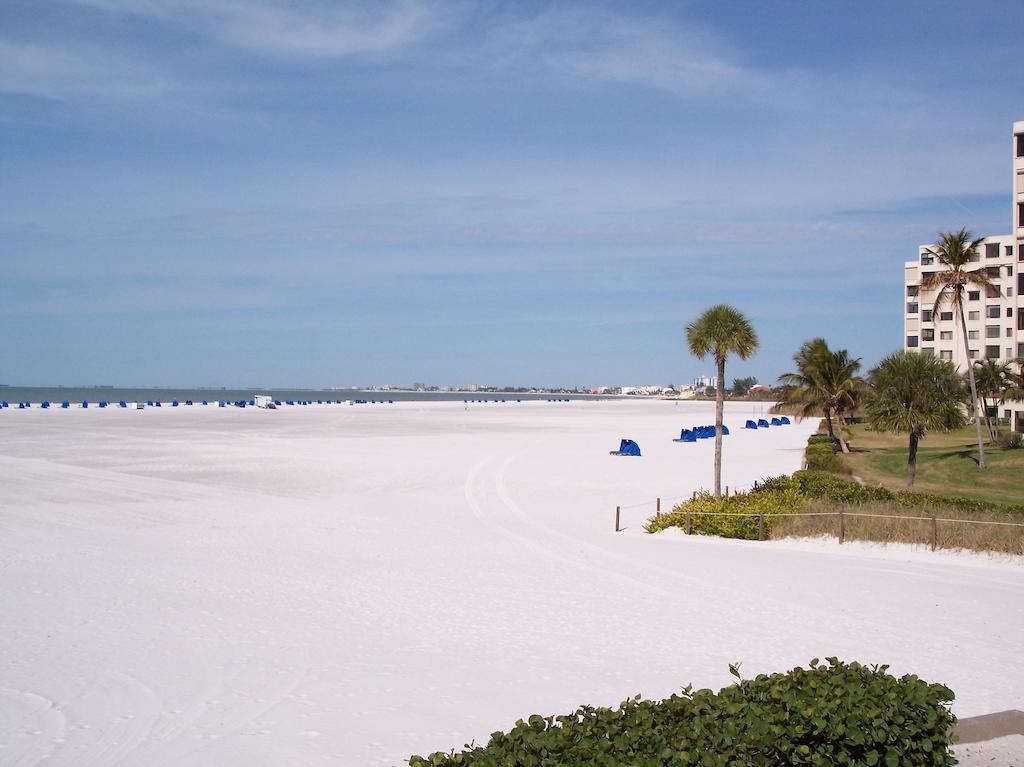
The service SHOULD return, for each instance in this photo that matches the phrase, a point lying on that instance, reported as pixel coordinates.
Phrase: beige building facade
(995, 324)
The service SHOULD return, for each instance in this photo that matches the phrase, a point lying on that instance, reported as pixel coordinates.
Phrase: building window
(927, 259)
(1020, 144)
(973, 295)
(991, 250)
(972, 354)
(992, 312)
(911, 291)
(1009, 292)
(928, 351)
(972, 335)
(1009, 311)
(945, 316)
(946, 335)
(946, 355)
(1009, 272)
(991, 331)
(927, 334)
(1020, 350)
(911, 342)
(992, 272)
(911, 308)
(991, 352)
(1009, 352)
(1009, 248)
(1009, 334)
(1020, 214)
(973, 315)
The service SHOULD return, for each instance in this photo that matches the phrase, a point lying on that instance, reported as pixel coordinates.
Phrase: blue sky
(262, 192)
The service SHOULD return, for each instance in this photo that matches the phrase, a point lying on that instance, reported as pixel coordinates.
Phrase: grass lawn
(946, 463)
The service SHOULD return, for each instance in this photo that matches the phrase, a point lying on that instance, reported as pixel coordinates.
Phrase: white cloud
(318, 30)
(592, 43)
(65, 71)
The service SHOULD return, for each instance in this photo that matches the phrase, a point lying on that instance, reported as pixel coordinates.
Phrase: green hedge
(722, 516)
(822, 457)
(821, 485)
(834, 714)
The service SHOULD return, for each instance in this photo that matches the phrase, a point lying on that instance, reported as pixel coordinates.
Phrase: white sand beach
(349, 585)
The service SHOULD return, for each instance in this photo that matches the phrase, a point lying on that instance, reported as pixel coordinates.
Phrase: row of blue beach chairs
(762, 423)
(45, 404)
(699, 432)
(631, 448)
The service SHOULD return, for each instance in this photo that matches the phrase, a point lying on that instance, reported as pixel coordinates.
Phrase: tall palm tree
(994, 380)
(825, 382)
(721, 331)
(955, 251)
(912, 394)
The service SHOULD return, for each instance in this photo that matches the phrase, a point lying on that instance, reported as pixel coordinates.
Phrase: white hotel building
(995, 323)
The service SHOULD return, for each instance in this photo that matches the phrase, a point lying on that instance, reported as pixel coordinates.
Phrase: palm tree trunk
(974, 390)
(828, 423)
(912, 460)
(719, 408)
(842, 425)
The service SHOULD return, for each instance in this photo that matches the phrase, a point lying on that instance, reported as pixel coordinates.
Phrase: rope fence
(842, 515)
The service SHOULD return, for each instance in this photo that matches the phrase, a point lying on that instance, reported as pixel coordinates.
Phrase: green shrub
(823, 486)
(822, 457)
(732, 517)
(835, 714)
(820, 439)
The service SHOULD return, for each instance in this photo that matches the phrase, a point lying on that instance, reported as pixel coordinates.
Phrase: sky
(312, 193)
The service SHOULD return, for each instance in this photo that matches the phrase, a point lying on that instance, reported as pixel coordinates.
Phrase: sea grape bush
(740, 518)
(828, 487)
(834, 713)
(790, 494)
(822, 456)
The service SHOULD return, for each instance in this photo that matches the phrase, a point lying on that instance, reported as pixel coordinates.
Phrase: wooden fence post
(935, 533)
(657, 509)
(617, 511)
(726, 491)
(760, 526)
(689, 525)
(842, 527)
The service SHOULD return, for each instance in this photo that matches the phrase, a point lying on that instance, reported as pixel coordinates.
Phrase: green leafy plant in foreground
(828, 714)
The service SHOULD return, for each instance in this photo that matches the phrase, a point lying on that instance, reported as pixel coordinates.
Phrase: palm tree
(994, 379)
(720, 331)
(955, 251)
(825, 382)
(911, 394)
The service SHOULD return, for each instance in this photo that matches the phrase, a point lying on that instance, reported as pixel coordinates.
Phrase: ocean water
(75, 395)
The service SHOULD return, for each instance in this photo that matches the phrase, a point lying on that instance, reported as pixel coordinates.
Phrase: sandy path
(350, 585)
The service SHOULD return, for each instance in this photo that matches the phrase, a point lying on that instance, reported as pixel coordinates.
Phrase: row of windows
(991, 313)
(992, 272)
(991, 331)
(991, 248)
(991, 351)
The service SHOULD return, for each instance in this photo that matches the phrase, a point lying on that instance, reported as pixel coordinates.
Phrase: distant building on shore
(995, 324)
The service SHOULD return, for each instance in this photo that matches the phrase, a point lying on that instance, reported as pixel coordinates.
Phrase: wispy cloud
(319, 29)
(589, 42)
(72, 70)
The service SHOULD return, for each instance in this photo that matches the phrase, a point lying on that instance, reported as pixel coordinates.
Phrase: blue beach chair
(762, 423)
(686, 435)
(750, 425)
(45, 405)
(784, 421)
(123, 404)
(627, 447)
(64, 405)
(776, 422)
